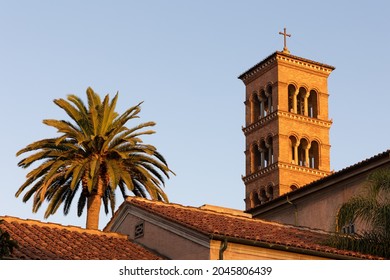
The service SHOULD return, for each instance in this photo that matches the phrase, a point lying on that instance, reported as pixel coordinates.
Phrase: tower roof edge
(286, 57)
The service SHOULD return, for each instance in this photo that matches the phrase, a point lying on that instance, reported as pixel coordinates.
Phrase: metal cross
(285, 49)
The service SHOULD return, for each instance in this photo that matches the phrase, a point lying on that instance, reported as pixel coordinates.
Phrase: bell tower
(286, 125)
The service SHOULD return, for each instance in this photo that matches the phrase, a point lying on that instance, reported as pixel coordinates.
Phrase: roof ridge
(331, 176)
(193, 208)
(72, 228)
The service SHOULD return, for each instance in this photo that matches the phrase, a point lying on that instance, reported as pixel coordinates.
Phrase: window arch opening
(301, 101)
(255, 107)
(255, 158)
(268, 93)
(314, 160)
(263, 196)
(303, 153)
(291, 98)
(254, 199)
(293, 149)
(313, 104)
(270, 192)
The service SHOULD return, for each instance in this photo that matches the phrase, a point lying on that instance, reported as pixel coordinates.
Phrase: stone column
(261, 158)
(306, 104)
(295, 101)
(307, 148)
(295, 156)
(252, 159)
(252, 108)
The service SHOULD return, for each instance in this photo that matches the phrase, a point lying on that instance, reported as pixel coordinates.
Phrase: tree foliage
(94, 154)
(370, 209)
(6, 243)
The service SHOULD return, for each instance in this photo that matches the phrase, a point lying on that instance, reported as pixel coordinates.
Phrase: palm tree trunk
(93, 206)
(93, 211)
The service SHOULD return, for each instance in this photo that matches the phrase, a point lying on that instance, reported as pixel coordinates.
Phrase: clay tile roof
(335, 175)
(242, 228)
(47, 241)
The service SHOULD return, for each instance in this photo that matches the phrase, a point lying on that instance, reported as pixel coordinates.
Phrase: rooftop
(362, 166)
(243, 229)
(283, 56)
(48, 241)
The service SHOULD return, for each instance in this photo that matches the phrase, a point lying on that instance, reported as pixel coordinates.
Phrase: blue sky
(182, 58)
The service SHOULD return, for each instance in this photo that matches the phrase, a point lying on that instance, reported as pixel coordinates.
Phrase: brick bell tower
(286, 125)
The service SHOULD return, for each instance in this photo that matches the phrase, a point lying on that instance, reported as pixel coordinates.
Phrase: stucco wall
(167, 241)
(236, 251)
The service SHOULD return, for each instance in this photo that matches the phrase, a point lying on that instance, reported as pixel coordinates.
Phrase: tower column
(261, 108)
(262, 158)
(270, 153)
(252, 108)
(306, 104)
(269, 99)
(307, 148)
(295, 156)
(295, 101)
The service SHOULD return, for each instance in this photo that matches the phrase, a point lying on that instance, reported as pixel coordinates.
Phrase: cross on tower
(285, 49)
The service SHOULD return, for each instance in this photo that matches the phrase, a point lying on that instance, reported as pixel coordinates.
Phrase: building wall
(279, 72)
(235, 251)
(318, 209)
(167, 241)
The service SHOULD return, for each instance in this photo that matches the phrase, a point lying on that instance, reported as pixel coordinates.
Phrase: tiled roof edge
(294, 249)
(193, 208)
(242, 76)
(11, 219)
(326, 178)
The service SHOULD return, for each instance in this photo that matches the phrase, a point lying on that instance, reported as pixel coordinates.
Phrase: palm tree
(370, 209)
(95, 152)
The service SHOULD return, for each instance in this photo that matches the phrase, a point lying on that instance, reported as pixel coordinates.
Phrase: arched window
(291, 98)
(255, 107)
(303, 152)
(254, 199)
(270, 192)
(293, 149)
(293, 187)
(313, 104)
(266, 153)
(301, 101)
(263, 196)
(270, 151)
(268, 93)
(255, 158)
(263, 104)
(314, 155)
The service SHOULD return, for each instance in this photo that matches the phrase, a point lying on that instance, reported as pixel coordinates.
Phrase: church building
(286, 125)
(291, 195)
(288, 177)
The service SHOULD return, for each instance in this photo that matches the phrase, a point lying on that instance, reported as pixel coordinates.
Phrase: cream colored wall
(163, 241)
(236, 251)
(319, 209)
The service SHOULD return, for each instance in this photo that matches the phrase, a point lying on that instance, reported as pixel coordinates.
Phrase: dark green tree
(371, 210)
(94, 154)
(6, 243)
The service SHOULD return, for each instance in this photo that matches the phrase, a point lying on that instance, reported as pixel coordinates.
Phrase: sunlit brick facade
(286, 126)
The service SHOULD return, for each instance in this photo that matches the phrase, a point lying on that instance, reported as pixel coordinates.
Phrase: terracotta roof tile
(215, 223)
(335, 175)
(48, 241)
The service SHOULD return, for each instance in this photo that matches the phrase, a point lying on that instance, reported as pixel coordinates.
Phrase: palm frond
(95, 150)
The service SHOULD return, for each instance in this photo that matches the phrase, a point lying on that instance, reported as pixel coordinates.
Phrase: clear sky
(183, 59)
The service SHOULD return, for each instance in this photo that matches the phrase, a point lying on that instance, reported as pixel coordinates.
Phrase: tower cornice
(283, 57)
(248, 129)
(283, 165)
